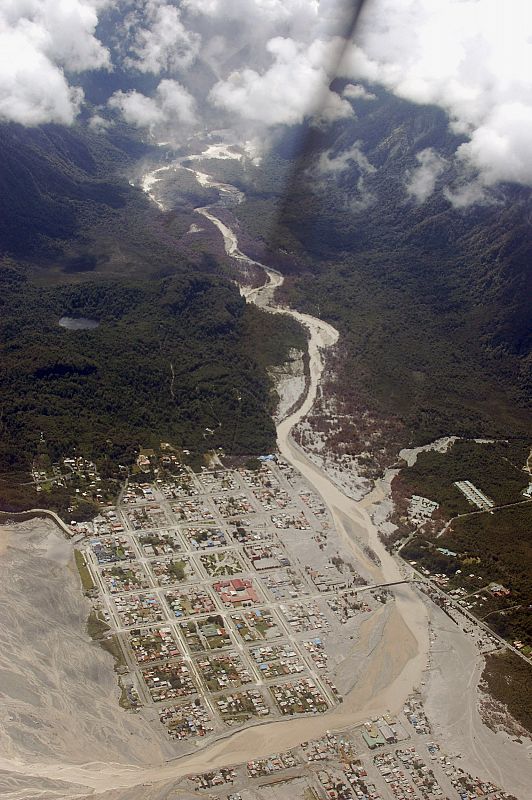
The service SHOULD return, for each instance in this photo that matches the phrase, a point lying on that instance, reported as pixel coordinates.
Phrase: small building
(373, 739)
(421, 507)
(498, 590)
(387, 733)
(265, 563)
(474, 495)
(238, 591)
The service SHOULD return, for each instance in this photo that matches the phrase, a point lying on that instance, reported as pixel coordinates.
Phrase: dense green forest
(55, 182)
(68, 209)
(497, 468)
(177, 355)
(494, 546)
(180, 359)
(507, 678)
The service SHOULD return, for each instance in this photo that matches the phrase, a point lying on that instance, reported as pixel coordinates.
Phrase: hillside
(176, 354)
(431, 300)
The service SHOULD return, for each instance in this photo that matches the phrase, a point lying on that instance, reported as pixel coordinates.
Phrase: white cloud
(355, 91)
(330, 167)
(32, 89)
(235, 32)
(137, 109)
(468, 193)
(363, 199)
(274, 60)
(171, 105)
(338, 163)
(99, 124)
(176, 102)
(39, 41)
(501, 146)
(421, 181)
(472, 58)
(162, 43)
(296, 14)
(294, 86)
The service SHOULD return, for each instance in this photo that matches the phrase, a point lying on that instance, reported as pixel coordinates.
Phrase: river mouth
(78, 323)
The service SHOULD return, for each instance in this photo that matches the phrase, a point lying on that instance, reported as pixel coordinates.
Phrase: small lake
(78, 323)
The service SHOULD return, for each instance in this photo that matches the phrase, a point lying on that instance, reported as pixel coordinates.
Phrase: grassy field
(84, 572)
(96, 627)
(112, 646)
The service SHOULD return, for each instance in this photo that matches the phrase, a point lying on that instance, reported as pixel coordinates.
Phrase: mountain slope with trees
(177, 355)
(431, 300)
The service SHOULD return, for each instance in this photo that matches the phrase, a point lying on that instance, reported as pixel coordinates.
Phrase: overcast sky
(270, 63)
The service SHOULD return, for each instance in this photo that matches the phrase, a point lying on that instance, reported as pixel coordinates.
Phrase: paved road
(470, 617)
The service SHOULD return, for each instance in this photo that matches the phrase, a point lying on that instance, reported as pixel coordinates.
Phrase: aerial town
(382, 759)
(230, 601)
(220, 617)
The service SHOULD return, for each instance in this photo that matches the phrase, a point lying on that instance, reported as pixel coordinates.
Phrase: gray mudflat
(58, 688)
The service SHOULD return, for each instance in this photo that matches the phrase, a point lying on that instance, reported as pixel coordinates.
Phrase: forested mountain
(52, 179)
(432, 297)
(177, 355)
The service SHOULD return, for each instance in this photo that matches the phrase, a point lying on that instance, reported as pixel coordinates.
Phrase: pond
(78, 323)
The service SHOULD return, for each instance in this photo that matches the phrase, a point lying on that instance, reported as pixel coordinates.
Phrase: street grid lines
(224, 597)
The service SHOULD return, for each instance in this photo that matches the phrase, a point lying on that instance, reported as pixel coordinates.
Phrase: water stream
(352, 518)
(395, 640)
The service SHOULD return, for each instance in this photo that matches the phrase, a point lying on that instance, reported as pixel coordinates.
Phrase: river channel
(395, 647)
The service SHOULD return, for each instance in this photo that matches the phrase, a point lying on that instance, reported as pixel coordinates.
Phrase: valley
(386, 678)
(265, 407)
